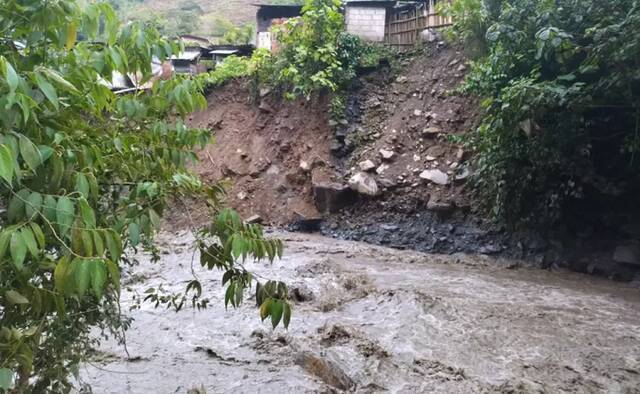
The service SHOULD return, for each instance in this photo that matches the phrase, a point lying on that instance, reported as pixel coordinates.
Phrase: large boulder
(364, 183)
(331, 197)
(328, 371)
(436, 176)
(627, 253)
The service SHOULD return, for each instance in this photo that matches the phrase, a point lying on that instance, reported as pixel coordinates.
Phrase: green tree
(85, 176)
(560, 138)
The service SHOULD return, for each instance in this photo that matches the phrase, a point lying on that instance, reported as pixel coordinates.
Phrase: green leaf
(87, 242)
(134, 233)
(15, 210)
(49, 208)
(15, 298)
(37, 232)
(81, 275)
(71, 35)
(98, 243)
(276, 312)
(114, 244)
(29, 152)
(18, 249)
(12, 77)
(286, 317)
(155, 219)
(98, 277)
(30, 241)
(87, 213)
(5, 237)
(33, 205)
(64, 214)
(55, 77)
(6, 379)
(82, 184)
(265, 309)
(6, 163)
(48, 90)
(61, 275)
(114, 273)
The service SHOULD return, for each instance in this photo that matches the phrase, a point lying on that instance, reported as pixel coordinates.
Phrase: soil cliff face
(267, 150)
(392, 172)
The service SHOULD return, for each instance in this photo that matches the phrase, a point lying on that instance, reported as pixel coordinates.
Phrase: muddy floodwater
(371, 319)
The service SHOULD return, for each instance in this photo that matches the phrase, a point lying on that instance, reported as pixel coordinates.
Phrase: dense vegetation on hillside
(85, 176)
(560, 141)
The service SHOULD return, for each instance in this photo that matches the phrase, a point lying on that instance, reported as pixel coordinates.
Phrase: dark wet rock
(627, 253)
(331, 197)
(328, 371)
(440, 206)
(301, 294)
(490, 249)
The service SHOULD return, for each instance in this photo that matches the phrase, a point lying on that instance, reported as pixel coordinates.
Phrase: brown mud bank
(400, 146)
(372, 319)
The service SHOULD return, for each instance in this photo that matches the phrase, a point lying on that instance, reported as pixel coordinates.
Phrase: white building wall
(367, 23)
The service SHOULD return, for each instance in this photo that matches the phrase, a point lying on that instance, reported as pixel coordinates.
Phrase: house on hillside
(268, 16)
(218, 53)
(397, 23)
(367, 19)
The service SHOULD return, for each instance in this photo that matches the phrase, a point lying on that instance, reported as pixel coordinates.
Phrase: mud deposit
(372, 319)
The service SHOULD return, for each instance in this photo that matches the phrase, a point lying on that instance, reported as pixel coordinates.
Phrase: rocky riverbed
(372, 319)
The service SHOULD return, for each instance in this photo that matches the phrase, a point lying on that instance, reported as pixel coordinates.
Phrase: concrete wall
(366, 22)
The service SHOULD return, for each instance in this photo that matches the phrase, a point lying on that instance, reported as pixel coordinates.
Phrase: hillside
(203, 17)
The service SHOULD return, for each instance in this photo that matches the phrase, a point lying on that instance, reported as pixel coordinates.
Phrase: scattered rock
(331, 197)
(381, 169)
(460, 154)
(305, 166)
(435, 176)
(264, 92)
(627, 253)
(440, 206)
(430, 158)
(435, 151)
(364, 183)
(241, 196)
(367, 165)
(401, 79)
(417, 112)
(490, 249)
(387, 154)
(265, 107)
(461, 68)
(253, 219)
(326, 370)
(463, 174)
(431, 131)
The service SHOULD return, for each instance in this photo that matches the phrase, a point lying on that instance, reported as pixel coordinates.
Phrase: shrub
(559, 140)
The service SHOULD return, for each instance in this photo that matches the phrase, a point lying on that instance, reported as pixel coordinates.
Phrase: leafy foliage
(562, 95)
(85, 177)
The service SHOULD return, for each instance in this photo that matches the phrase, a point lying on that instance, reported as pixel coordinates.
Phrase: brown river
(369, 319)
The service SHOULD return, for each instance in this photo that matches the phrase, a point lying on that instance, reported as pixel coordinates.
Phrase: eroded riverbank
(372, 319)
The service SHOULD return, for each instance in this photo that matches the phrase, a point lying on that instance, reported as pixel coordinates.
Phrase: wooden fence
(404, 26)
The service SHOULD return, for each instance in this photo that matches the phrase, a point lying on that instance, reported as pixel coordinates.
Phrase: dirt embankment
(267, 150)
(288, 163)
(393, 172)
